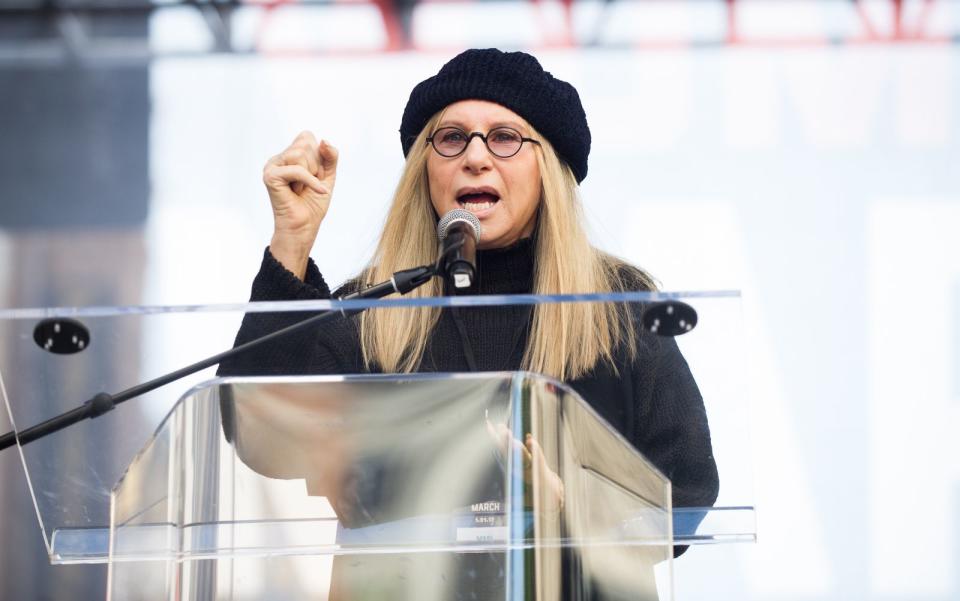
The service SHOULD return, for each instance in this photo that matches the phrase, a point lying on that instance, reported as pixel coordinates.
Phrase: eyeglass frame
(476, 134)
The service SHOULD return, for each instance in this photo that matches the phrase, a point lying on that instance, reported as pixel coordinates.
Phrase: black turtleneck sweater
(654, 401)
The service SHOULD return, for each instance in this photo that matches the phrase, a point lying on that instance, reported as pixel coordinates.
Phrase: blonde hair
(567, 339)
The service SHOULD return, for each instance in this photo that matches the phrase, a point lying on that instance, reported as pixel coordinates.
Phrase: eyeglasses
(503, 142)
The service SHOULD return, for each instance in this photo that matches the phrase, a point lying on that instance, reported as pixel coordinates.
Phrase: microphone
(459, 233)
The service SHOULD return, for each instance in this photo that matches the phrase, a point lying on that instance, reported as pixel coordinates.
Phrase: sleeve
(298, 353)
(674, 433)
(274, 282)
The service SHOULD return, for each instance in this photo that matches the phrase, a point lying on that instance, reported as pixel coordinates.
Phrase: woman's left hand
(536, 471)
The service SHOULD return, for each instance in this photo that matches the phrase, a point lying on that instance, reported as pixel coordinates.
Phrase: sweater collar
(507, 270)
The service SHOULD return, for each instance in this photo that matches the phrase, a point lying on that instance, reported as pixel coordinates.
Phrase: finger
(308, 144)
(506, 435)
(533, 446)
(296, 155)
(329, 156)
(293, 174)
(503, 438)
(286, 158)
(554, 482)
(536, 451)
(507, 441)
(496, 438)
(305, 137)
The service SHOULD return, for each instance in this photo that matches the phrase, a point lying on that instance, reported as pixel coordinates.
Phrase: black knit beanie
(511, 79)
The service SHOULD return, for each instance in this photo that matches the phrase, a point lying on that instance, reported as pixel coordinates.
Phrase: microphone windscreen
(458, 216)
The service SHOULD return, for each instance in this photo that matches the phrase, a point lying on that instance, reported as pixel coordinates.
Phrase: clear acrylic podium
(419, 486)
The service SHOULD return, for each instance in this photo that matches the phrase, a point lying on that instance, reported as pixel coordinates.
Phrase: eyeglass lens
(502, 141)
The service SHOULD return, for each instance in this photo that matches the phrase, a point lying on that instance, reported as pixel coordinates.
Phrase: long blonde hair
(567, 339)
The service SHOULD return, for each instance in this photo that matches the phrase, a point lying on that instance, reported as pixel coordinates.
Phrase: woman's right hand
(300, 182)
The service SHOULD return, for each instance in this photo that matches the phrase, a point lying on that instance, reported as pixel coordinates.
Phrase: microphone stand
(401, 282)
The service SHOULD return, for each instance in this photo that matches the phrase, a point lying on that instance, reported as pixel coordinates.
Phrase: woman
(495, 134)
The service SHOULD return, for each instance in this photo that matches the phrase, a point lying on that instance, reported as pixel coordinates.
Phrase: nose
(476, 157)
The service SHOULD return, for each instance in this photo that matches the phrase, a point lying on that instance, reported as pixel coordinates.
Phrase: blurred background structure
(804, 151)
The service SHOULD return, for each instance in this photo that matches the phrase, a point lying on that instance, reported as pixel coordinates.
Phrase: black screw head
(61, 336)
(669, 318)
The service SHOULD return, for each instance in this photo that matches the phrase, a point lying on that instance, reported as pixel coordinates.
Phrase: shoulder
(356, 283)
(348, 287)
(625, 277)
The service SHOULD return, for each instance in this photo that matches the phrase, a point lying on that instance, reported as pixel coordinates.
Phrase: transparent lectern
(502, 485)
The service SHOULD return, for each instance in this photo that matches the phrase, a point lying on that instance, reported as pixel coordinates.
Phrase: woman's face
(502, 193)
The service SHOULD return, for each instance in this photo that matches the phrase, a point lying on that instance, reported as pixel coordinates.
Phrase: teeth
(476, 206)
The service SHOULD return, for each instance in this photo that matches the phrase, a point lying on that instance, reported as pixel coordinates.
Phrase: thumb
(536, 451)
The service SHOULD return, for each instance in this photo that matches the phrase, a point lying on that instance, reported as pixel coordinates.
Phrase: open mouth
(478, 201)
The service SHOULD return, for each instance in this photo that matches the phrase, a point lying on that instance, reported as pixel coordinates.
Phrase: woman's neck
(507, 270)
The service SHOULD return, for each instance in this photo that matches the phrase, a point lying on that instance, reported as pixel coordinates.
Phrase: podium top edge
(326, 305)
